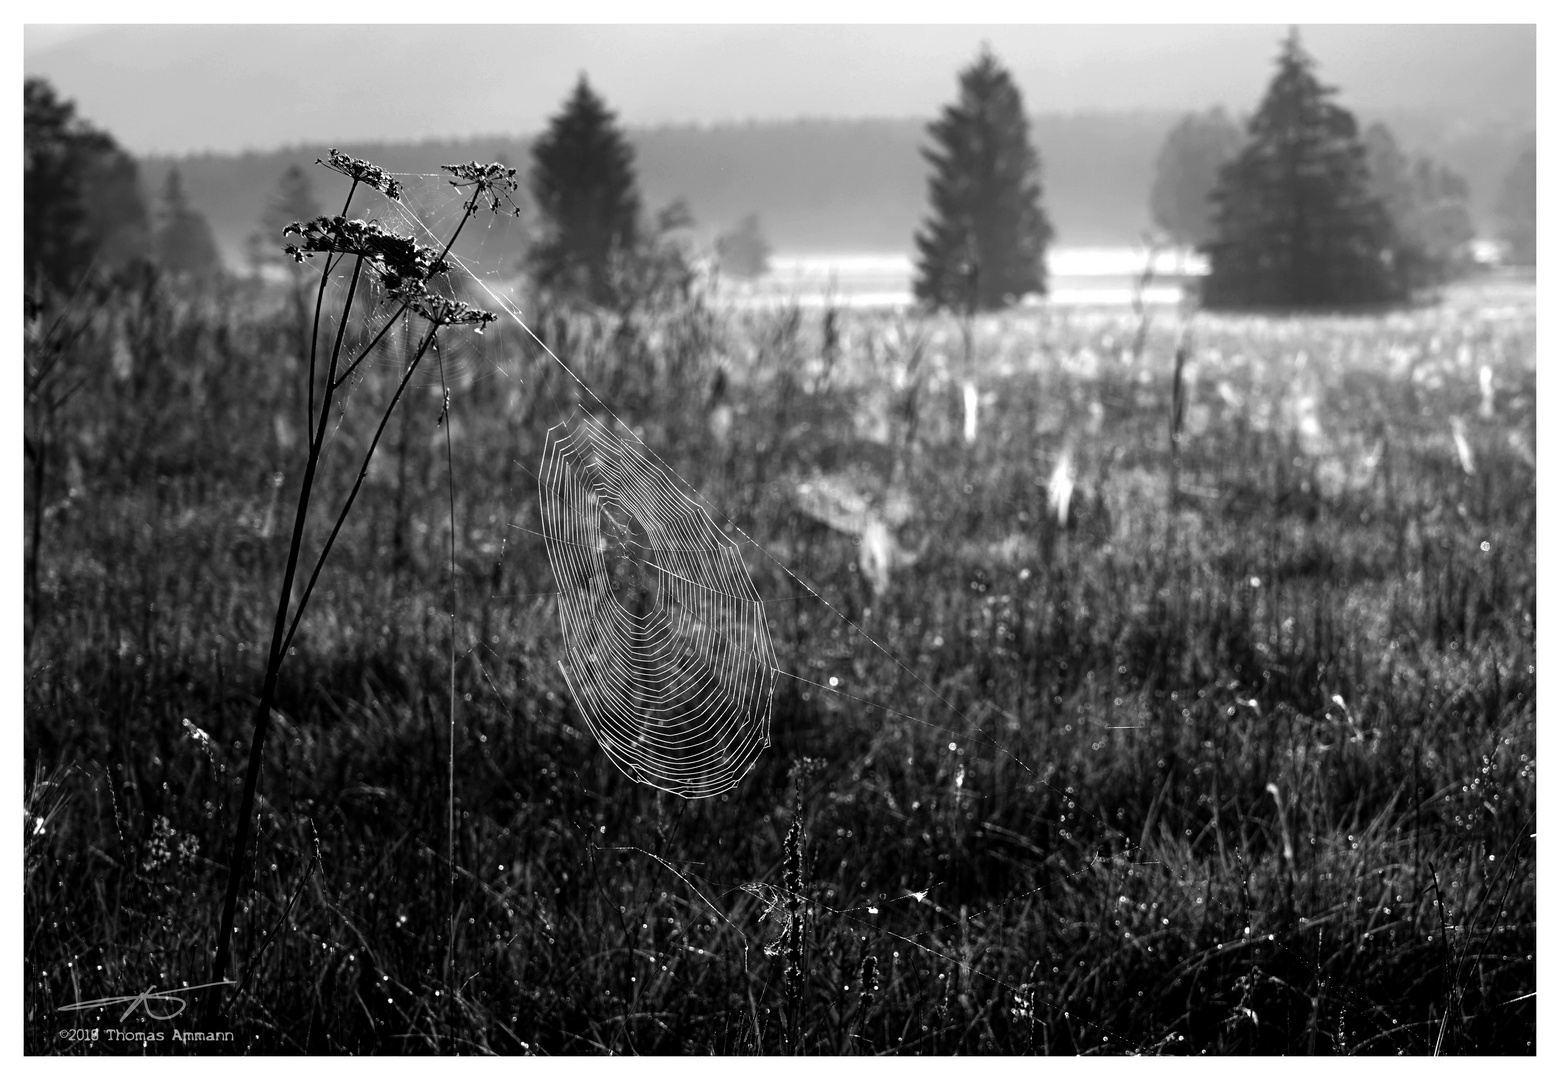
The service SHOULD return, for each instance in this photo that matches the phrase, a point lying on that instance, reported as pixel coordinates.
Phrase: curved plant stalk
(405, 268)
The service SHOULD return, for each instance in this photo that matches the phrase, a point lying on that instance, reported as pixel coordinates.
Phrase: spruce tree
(292, 201)
(1518, 209)
(1186, 173)
(582, 181)
(1295, 222)
(185, 244)
(1428, 205)
(983, 247)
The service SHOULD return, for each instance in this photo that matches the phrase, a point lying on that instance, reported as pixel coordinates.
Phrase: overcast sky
(180, 88)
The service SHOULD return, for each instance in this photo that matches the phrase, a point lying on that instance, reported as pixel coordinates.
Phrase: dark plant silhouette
(410, 275)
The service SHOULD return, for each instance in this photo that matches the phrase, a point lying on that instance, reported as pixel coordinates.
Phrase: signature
(144, 1000)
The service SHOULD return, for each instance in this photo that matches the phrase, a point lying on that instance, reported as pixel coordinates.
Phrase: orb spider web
(668, 654)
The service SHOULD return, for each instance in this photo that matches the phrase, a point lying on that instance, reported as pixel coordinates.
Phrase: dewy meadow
(726, 651)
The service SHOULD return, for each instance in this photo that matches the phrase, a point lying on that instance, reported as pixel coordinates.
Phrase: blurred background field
(1102, 277)
(1243, 765)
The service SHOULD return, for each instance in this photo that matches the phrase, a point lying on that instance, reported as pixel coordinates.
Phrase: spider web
(669, 655)
(667, 650)
(634, 681)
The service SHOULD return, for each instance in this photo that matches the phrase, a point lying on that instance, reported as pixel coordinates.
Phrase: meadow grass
(1247, 770)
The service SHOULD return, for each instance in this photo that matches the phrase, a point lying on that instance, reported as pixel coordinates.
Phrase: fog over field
(818, 131)
(188, 89)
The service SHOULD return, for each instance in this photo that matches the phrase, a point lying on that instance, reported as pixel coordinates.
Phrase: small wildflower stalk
(407, 272)
(796, 924)
(869, 989)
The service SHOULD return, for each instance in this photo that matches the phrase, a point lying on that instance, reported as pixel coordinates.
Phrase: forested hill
(826, 185)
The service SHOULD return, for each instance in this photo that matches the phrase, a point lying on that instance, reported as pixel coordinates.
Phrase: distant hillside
(830, 185)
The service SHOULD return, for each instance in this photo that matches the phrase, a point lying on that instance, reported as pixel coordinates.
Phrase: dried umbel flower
(402, 263)
(403, 267)
(494, 183)
(443, 311)
(362, 172)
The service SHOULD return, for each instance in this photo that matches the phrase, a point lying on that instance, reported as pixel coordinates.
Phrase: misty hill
(834, 185)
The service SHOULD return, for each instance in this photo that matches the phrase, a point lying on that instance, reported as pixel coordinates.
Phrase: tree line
(82, 206)
(1299, 210)
(1295, 207)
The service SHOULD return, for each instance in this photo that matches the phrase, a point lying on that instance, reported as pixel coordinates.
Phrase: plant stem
(319, 300)
(383, 330)
(449, 466)
(237, 854)
(314, 343)
(282, 632)
(341, 518)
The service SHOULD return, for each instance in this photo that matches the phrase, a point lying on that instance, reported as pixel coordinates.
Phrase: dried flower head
(362, 172)
(495, 183)
(791, 872)
(869, 987)
(443, 311)
(402, 263)
(791, 875)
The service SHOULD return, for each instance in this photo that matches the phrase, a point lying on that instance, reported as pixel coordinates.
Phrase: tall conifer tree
(582, 180)
(983, 247)
(1428, 204)
(184, 242)
(1296, 224)
(1186, 173)
(292, 201)
(1518, 209)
